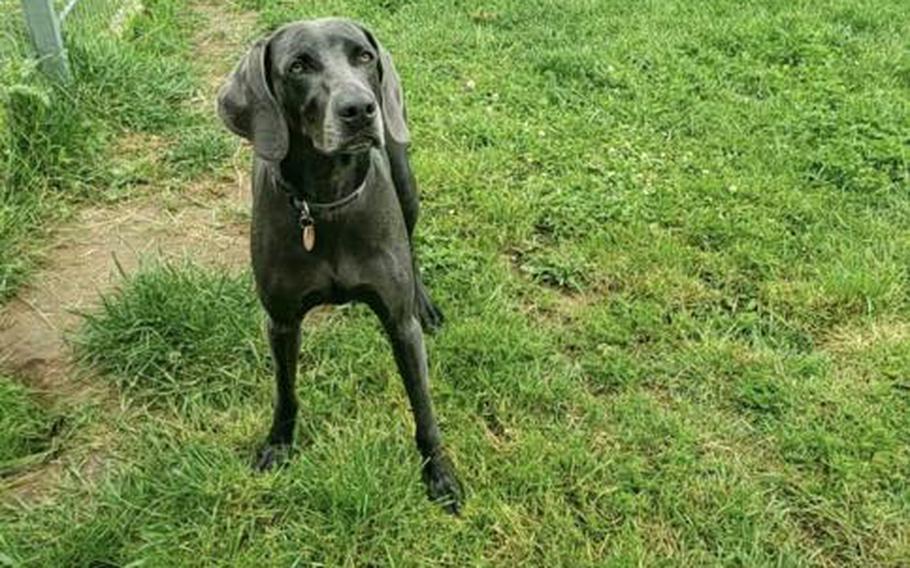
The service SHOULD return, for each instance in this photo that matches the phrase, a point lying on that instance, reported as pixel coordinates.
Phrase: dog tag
(307, 225)
(309, 237)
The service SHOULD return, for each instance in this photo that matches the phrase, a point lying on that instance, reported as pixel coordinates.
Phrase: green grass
(172, 334)
(24, 426)
(671, 241)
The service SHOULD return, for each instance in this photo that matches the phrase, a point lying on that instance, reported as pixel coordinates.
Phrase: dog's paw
(431, 318)
(442, 483)
(272, 456)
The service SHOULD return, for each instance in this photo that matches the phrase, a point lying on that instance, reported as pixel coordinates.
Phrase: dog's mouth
(358, 142)
(333, 137)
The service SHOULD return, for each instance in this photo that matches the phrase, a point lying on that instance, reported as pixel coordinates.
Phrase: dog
(334, 208)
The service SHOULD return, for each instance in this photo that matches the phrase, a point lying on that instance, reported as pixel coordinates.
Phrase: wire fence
(38, 32)
(45, 129)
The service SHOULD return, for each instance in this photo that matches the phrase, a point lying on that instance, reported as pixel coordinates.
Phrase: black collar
(305, 206)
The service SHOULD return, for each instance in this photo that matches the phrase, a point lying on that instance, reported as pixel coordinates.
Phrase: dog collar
(305, 217)
(306, 208)
(300, 203)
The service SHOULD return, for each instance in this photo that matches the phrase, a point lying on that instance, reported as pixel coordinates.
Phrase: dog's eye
(365, 56)
(302, 65)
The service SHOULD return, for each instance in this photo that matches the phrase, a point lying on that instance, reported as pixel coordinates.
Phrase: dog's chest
(343, 270)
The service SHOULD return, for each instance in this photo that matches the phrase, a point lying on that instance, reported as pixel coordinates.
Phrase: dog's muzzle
(354, 122)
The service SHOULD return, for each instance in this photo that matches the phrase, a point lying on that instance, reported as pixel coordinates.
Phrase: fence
(48, 23)
(44, 29)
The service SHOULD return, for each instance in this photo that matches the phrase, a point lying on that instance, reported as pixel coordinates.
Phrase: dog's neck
(322, 178)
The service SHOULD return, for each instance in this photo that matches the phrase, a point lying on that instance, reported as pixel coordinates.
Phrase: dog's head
(328, 80)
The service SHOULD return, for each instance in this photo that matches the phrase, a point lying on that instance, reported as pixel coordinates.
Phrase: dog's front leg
(411, 357)
(284, 340)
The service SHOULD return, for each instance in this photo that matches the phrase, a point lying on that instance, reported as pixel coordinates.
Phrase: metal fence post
(45, 32)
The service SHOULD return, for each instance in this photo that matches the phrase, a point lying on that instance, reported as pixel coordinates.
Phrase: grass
(671, 242)
(142, 348)
(24, 426)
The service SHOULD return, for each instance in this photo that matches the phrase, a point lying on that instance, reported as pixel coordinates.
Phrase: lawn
(672, 242)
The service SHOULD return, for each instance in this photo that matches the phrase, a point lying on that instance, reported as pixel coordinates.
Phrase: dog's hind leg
(284, 340)
(431, 317)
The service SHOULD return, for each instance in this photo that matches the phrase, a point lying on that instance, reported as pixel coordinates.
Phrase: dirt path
(87, 256)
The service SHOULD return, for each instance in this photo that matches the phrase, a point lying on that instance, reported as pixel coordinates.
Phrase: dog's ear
(393, 112)
(248, 107)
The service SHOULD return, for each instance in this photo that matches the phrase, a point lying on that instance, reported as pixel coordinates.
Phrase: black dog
(334, 208)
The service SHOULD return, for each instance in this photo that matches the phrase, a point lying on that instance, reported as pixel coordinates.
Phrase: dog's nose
(355, 107)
